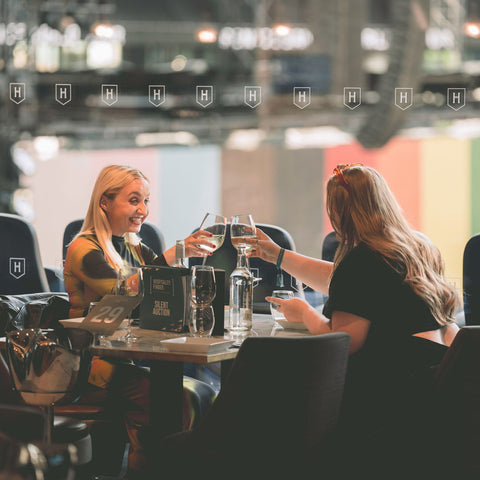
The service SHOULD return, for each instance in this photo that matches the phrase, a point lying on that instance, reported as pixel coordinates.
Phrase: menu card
(166, 301)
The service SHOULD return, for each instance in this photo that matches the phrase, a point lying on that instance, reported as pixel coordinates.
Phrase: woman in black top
(385, 287)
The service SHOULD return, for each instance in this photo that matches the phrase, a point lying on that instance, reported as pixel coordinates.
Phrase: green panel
(475, 186)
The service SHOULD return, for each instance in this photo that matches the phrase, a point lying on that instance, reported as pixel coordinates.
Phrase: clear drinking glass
(100, 339)
(284, 294)
(242, 227)
(216, 225)
(203, 290)
(203, 286)
(201, 321)
(129, 282)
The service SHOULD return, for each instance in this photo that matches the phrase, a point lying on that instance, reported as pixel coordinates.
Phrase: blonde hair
(367, 212)
(109, 182)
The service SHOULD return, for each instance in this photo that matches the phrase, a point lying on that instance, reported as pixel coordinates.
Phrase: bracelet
(279, 270)
(280, 258)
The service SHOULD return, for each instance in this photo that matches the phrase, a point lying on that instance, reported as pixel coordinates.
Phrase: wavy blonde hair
(367, 212)
(109, 182)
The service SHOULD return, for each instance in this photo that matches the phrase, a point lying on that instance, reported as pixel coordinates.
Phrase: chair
(21, 269)
(226, 258)
(149, 233)
(457, 383)
(277, 409)
(471, 281)
(42, 310)
(24, 456)
(329, 246)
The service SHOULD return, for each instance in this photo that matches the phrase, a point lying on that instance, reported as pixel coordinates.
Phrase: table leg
(166, 397)
(225, 369)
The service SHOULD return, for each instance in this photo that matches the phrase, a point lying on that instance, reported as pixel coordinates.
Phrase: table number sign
(105, 317)
(167, 298)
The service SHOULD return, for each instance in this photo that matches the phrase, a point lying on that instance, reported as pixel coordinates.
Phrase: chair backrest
(149, 233)
(471, 281)
(329, 246)
(280, 391)
(457, 382)
(226, 257)
(21, 269)
(48, 367)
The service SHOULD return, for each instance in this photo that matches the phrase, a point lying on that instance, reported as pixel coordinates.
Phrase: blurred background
(270, 159)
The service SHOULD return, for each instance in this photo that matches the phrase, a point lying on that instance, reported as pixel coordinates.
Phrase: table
(166, 368)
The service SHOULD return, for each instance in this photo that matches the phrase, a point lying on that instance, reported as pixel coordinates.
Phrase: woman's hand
(194, 242)
(293, 308)
(263, 247)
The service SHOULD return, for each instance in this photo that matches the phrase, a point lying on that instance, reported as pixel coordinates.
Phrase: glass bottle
(180, 254)
(241, 296)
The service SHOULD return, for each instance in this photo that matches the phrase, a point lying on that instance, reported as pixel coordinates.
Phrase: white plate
(196, 344)
(291, 325)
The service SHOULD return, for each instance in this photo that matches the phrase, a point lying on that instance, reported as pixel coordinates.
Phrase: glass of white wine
(242, 227)
(214, 224)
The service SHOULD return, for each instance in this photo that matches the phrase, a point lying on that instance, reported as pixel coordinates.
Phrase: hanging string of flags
(204, 95)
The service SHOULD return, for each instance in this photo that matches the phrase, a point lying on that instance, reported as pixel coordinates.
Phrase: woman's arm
(298, 311)
(311, 271)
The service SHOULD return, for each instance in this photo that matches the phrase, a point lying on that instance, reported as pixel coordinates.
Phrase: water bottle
(241, 298)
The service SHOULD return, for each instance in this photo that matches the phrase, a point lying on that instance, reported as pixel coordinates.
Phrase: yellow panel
(446, 199)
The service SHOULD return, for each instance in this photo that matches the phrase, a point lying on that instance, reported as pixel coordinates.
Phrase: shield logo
(301, 96)
(63, 93)
(17, 267)
(253, 96)
(456, 98)
(17, 92)
(109, 94)
(352, 97)
(204, 95)
(156, 95)
(403, 98)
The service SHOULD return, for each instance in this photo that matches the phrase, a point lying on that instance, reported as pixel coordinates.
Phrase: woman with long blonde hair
(386, 288)
(108, 240)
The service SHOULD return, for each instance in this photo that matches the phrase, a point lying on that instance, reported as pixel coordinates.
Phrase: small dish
(291, 325)
(196, 344)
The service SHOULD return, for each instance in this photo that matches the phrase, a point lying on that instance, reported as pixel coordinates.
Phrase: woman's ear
(104, 203)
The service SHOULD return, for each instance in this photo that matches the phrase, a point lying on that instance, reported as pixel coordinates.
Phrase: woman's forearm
(313, 272)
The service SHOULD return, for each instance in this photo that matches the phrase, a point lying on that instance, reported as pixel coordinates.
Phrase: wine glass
(100, 338)
(242, 227)
(129, 282)
(203, 285)
(214, 224)
(201, 321)
(203, 289)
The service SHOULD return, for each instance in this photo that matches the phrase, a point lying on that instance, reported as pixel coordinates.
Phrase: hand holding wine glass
(130, 283)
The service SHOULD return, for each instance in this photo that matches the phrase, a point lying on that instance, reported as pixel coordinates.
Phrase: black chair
(21, 269)
(471, 281)
(275, 413)
(329, 246)
(109, 447)
(24, 455)
(149, 233)
(457, 386)
(226, 259)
